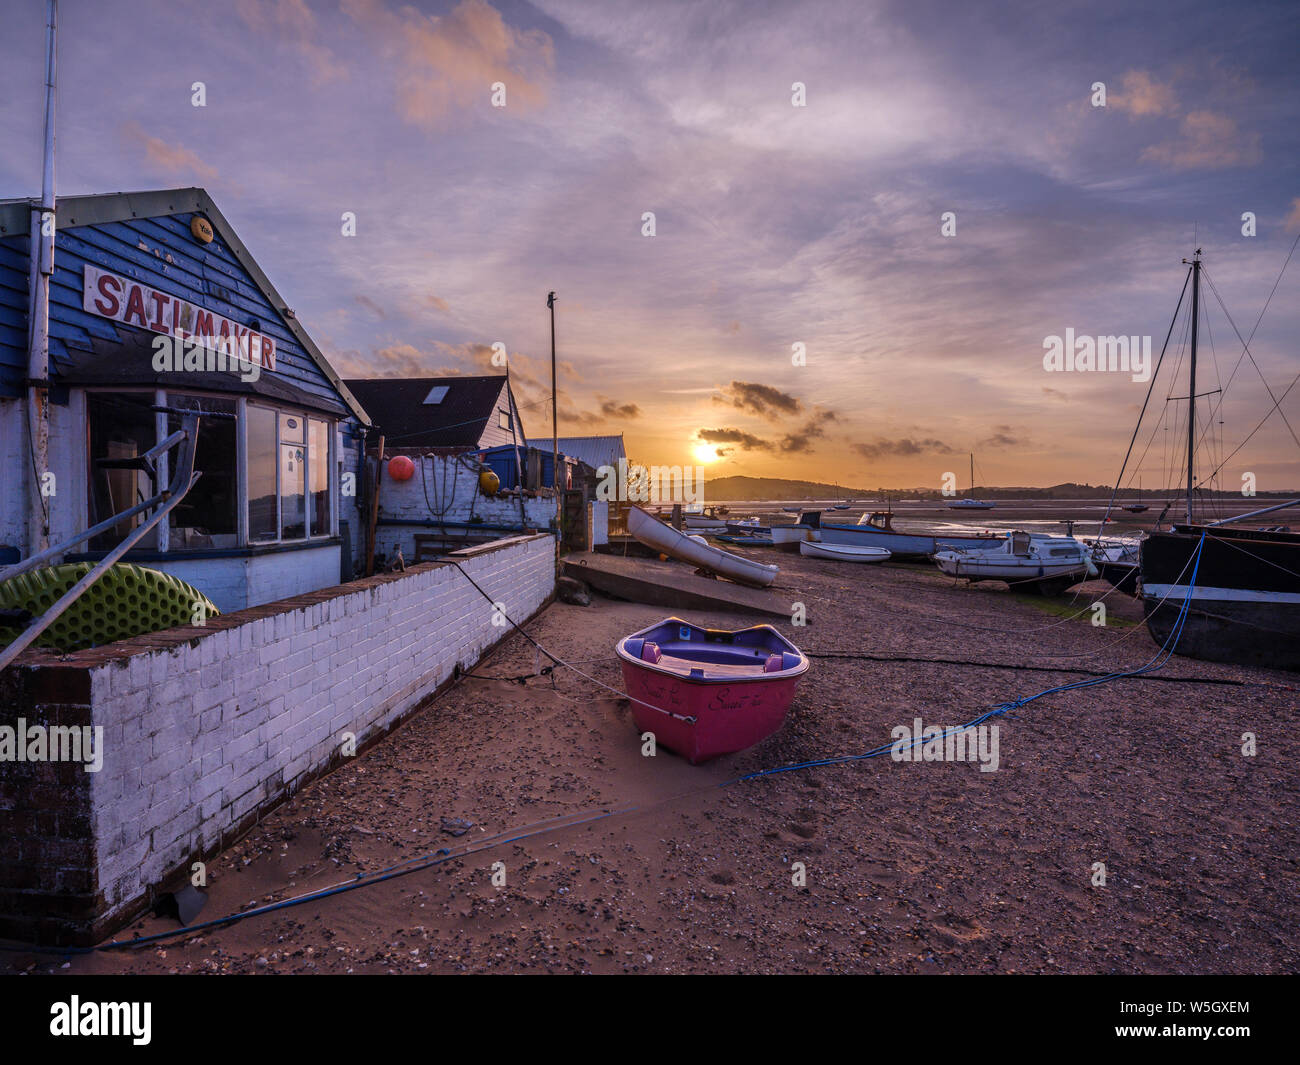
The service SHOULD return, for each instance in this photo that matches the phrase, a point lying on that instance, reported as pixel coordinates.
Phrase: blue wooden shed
(150, 291)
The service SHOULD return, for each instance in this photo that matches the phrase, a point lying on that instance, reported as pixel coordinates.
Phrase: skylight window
(436, 395)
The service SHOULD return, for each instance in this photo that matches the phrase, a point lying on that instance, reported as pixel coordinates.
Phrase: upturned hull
(654, 533)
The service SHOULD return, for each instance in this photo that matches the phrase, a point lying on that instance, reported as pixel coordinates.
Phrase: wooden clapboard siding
(156, 250)
(13, 315)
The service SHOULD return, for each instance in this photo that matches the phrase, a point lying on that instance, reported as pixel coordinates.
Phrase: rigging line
(992, 614)
(560, 662)
(1225, 681)
(1263, 310)
(1156, 662)
(1154, 376)
(1246, 349)
(1255, 430)
(1044, 654)
(439, 429)
(1169, 445)
(1257, 558)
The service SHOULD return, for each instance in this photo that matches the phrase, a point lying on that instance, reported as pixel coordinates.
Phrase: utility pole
(555, 425)
(38, 352)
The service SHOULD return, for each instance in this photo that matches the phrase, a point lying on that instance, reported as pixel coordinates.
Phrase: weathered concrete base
(670, 584)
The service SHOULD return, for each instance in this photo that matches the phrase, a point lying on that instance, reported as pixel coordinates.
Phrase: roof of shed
(99, 208)
(595, 451)
(397, 406)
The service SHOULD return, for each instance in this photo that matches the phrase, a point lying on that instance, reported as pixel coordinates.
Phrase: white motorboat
(1048, 564)
(788, 537)
(877, 530)
(693, 549)
(702, 524)
(842, 552)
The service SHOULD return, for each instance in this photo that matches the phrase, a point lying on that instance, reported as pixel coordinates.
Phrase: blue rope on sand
(446, 854)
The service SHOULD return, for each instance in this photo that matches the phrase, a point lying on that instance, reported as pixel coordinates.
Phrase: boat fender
(650, 652)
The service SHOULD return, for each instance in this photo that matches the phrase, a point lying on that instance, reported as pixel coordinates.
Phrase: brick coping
(167, 639)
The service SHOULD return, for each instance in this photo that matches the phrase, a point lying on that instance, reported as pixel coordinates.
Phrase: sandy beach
(910, 868)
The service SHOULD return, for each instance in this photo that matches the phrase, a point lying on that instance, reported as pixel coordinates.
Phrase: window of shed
(290, 496)
(207, 516)
(121, 426)
(263, 503)
(293, 478)
(318, 467)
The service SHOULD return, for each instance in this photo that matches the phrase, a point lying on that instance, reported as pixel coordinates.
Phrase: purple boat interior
(687, 650)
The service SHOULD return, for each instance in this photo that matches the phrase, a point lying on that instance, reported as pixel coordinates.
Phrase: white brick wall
(437, 474)
(198, 736)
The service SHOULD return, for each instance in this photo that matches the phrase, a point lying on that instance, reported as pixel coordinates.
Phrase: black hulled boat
(1244, 604)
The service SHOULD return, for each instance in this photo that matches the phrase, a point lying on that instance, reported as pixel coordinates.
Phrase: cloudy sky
(775, 225)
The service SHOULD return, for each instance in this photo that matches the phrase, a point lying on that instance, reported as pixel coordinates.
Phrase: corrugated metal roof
(595, 451)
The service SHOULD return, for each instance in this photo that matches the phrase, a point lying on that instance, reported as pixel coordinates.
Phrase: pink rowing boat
(709, 692)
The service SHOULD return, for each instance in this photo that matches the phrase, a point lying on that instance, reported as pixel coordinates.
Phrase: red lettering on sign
(107, 303)
(135, 306)
(160, 300)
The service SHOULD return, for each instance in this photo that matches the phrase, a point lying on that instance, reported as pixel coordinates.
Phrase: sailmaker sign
(131, 303)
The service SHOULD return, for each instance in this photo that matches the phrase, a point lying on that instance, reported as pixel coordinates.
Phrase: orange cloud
(448, 63)
(1143, 95)
(294, 20)
(169, 157)
(1206, 141)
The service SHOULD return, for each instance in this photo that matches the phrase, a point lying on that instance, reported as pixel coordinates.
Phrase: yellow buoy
(488, 483)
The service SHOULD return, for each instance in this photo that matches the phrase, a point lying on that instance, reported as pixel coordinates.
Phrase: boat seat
(777, 663)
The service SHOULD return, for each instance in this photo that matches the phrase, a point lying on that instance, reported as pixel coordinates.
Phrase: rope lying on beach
(516, 835)
(863, 656)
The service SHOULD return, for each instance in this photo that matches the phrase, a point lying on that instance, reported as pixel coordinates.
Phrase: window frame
(332, 458)
(309, 504)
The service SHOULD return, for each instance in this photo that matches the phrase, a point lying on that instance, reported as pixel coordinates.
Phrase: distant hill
(728, 488)
(776, 488)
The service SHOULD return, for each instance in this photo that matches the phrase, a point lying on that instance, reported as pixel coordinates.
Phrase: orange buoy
(401, 468)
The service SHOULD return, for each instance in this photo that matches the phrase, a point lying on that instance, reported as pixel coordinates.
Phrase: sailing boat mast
(1191, 388)
(972, 475)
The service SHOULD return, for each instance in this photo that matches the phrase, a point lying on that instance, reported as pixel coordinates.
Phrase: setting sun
(705, 453)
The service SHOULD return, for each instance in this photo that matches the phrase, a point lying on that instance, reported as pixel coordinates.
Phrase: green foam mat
(126, 601)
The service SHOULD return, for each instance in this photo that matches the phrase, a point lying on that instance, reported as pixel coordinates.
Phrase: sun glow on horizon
(706, 453)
